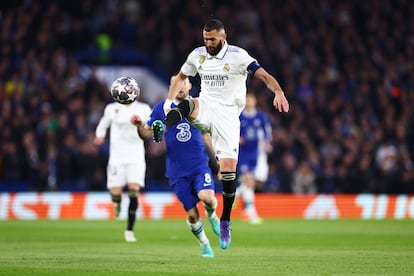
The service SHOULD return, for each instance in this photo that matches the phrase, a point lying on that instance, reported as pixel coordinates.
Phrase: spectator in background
(11, 163)
(304, 180)
(387, 165)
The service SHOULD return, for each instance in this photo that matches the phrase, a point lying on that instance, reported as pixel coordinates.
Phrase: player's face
(213, 41)
(184, 90)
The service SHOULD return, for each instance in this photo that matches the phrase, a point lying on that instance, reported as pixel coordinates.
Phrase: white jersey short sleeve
(223, 77)
(125, 145)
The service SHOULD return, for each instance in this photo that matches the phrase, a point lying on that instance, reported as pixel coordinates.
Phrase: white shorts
(261, 171)
(223, 122)
(119, 175)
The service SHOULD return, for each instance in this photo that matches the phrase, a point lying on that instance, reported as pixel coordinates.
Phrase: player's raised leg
(183, 110)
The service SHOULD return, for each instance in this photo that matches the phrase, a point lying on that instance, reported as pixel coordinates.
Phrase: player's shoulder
(112, 106)
(236, 50)
(238, 55)
(159, 105)
(199, 51)
(141, 108)
(139, 104)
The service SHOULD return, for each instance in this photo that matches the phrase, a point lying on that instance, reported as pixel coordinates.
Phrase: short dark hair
(213, 24)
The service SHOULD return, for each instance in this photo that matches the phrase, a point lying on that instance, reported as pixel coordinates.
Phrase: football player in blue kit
(254, 130)
(187, 167)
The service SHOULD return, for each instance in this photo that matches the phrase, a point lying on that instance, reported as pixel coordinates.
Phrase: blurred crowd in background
(347, 68)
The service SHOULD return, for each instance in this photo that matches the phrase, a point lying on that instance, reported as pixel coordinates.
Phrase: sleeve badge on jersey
(201, 59)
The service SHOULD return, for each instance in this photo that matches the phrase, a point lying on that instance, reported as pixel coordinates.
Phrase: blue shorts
(247, 163)
(187, 187)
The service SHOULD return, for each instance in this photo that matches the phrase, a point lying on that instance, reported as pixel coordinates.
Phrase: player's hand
(136, 120)
(99, 141)
(280, 102)
(268, 147)
(214, 166)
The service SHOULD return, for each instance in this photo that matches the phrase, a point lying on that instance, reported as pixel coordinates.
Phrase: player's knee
(116, 198)
(192, 219)
(192, 216)
(173, 117)
(229, 180)
(210, 201)
(228, 176)
(133, 203)
(186, 107)
(133, 193)
(182, 110)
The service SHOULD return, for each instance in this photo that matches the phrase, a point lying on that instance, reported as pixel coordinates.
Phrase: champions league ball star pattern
(125, 90)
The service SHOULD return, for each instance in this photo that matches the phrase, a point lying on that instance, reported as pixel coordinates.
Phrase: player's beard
(215, 50)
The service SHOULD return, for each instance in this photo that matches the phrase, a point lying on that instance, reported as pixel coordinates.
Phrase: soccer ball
(125, 90)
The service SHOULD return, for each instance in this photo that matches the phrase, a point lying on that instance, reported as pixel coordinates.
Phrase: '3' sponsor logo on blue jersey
(184, 133)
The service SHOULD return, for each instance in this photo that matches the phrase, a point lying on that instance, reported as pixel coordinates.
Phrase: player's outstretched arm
(177, 82)
(144, 130)
(280, 102)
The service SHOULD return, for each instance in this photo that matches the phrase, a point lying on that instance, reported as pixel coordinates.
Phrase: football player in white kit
(223, 70)
(126, 164)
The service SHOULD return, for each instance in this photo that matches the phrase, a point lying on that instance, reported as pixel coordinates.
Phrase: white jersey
(125, 144)
(223, 77)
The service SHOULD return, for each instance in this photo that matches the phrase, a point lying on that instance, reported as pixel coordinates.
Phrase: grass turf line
(166, 247)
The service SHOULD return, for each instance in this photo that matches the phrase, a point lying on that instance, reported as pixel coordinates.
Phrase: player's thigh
(116, 176)
(200, 117)
(207, 195)
(203, 180)
(183, 189)
(135, 173)
(225, 131)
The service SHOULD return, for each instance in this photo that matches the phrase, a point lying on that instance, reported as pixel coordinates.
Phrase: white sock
(198, 231)
(248, 195)
(240, 189)
(248, 198)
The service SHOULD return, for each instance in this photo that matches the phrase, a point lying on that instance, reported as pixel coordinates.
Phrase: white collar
(220, 54)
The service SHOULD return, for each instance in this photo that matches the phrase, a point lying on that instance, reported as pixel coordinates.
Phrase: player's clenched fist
(136, 120)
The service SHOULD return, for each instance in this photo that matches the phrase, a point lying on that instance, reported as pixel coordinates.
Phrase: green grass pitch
(166, 247)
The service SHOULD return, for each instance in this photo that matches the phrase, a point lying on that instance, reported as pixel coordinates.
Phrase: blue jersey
(251, 125)
(186, 152)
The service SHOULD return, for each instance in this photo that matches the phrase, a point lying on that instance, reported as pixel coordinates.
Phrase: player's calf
(176, 114)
